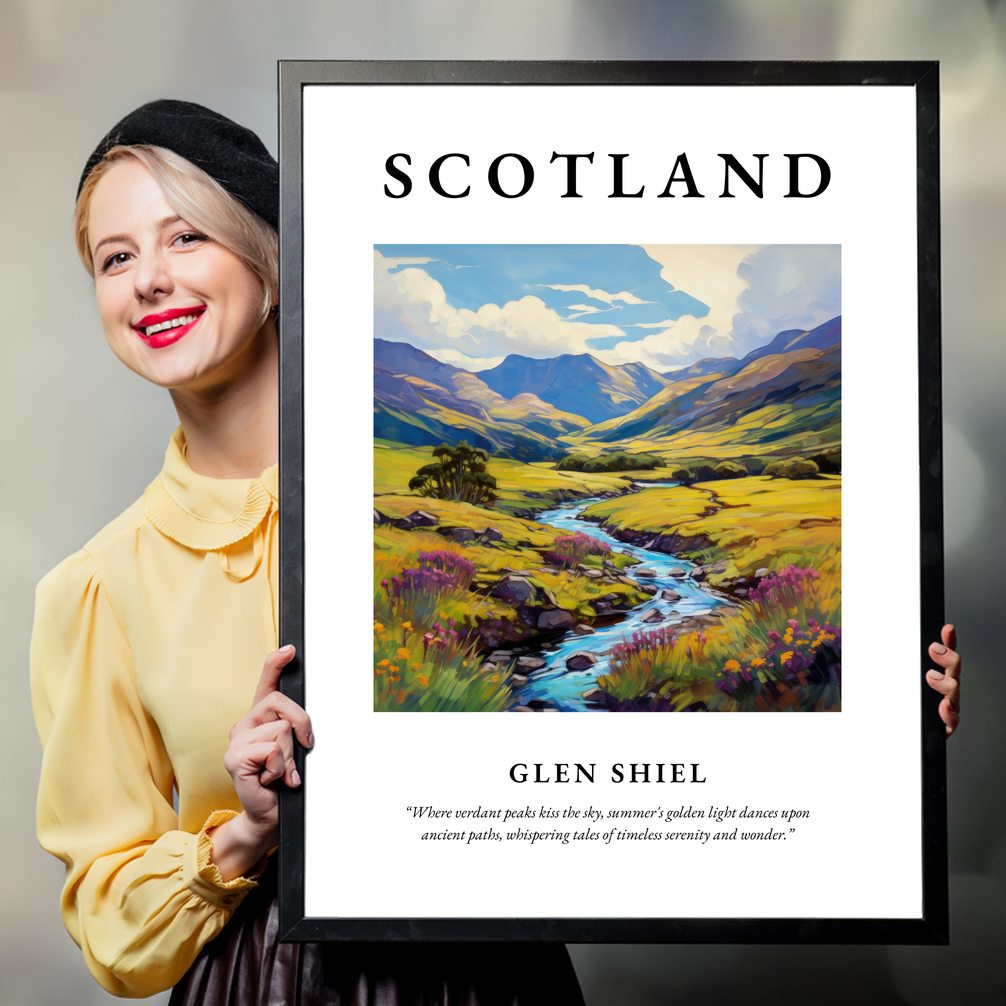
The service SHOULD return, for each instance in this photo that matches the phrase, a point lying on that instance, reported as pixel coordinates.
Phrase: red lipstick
(165, 333)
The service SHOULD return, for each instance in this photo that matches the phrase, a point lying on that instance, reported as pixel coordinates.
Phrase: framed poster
(619, 461)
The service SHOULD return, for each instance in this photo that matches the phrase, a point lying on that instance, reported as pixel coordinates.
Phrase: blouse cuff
(202, 876)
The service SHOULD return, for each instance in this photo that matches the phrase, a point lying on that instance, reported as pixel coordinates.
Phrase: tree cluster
(458, 474)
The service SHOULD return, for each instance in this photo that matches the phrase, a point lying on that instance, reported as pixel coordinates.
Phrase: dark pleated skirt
(246, 965)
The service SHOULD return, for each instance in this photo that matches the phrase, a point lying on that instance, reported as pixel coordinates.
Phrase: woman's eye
(190, 238)
(114, 261)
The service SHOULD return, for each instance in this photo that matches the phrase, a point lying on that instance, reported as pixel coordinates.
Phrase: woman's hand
(947, 682)
(260, 753)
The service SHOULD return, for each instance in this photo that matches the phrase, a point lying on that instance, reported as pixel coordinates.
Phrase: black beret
(231, 154)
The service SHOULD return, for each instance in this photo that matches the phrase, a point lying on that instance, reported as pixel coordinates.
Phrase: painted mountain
(421, 402)
(533, 410)
(789, 390)
(581, 384)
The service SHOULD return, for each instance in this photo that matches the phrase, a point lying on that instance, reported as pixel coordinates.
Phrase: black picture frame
(932, 926)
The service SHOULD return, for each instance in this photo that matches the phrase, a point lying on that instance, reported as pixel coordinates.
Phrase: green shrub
(616, 461)
(730, 470)
(829, 462)
(792, 468)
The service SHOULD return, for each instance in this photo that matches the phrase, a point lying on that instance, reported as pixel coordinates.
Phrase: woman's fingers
(277, 706)
(276, 735)
(949, 636)
(270, 703)
(271, 671)
(947, 680)
(257, 761)
(949, 711)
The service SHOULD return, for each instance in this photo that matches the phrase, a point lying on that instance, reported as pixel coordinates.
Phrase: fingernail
(938, 648)
(951, 706)
(287, 649)
(295, 777)
(937, 675)
(310, 740)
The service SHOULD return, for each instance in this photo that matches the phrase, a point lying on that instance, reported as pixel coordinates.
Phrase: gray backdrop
(82, 436)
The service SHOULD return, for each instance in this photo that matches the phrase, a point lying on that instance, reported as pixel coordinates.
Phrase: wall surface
(82, 436)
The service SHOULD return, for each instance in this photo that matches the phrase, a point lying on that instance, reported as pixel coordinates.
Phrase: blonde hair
(199, 200)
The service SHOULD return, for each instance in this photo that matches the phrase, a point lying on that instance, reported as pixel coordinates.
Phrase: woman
(149, 642)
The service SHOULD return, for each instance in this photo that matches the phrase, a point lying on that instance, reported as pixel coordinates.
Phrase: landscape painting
(607, 478)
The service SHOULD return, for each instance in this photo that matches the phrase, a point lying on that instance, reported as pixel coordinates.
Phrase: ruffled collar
(203, 513)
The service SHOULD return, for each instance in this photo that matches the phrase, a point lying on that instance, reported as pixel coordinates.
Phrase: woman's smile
(167, 327)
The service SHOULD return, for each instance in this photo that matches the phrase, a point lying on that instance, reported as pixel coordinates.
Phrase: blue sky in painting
(665, 306)
(473, 275)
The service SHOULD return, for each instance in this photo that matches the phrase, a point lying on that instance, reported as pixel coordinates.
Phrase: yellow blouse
(147, 647)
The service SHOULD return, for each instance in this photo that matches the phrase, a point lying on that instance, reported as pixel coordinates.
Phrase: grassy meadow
(749, 523)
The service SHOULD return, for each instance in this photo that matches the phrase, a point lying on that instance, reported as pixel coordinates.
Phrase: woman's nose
(152, 277)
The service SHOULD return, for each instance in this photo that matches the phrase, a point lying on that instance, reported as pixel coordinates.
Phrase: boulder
(612, 597)
(514, 590)
(594, 574)
(556, 618)
(670, 595)
(678, 572)
(701, 572)
(581, 660)
(500, 657)
(648, 573)
(762, 572)
(583, 630)
(418, 518)
(491, 534)
(460, 534)
(593, 694)
(646, 588)
(530, 664)
(652, 616)
(379, 518)
(518, 680)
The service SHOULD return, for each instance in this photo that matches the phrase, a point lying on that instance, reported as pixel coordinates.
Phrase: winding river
(559, 688)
